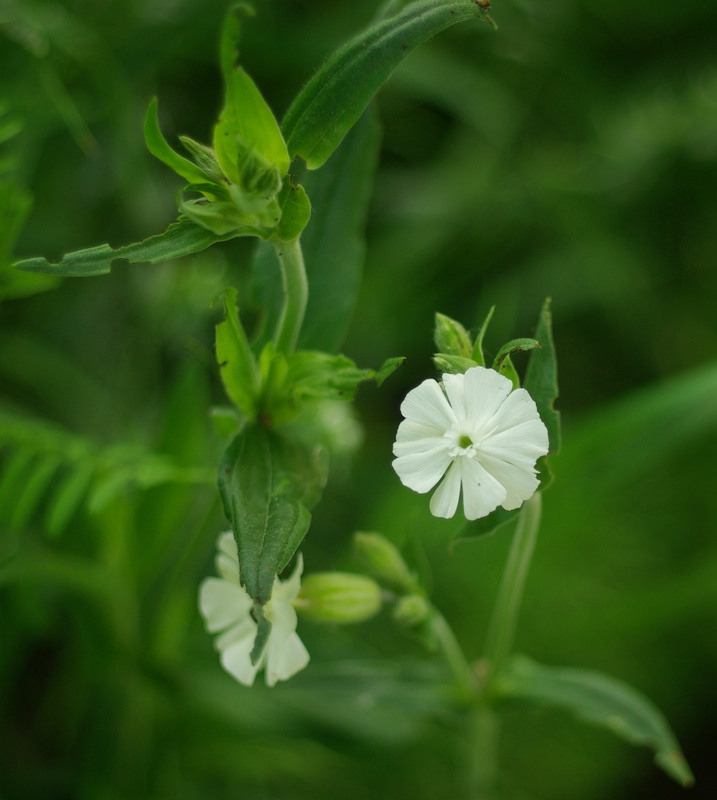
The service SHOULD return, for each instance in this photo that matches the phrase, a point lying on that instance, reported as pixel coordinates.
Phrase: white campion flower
(226, 607)
(475, 433)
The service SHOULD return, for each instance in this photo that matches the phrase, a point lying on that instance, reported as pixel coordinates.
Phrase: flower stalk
(296, 294)
(501, 631)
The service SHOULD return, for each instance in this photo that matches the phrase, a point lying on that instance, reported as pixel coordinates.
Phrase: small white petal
(245, 628)
(455, 390)
(222, 603)
(284, 659)
(444, 501)
(228, 568)
(427, 405)
(236, 661)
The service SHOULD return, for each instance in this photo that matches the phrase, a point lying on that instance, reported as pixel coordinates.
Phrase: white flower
(482, 436)
(226, 606)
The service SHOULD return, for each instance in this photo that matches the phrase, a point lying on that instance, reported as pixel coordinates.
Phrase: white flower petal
(236, 661)
(422, 471)
(485, 392)
(427, 405)
(444, 501)
(523, 444)
(245, 628)
(482, 493)
(455, 390)
(222, 603)
(284, 659)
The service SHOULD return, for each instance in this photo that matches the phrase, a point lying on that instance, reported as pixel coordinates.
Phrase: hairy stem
(296, 293)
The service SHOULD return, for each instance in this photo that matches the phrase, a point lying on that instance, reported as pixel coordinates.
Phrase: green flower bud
(383, 561)
(412, 610)
(451, 337)
(339, 597)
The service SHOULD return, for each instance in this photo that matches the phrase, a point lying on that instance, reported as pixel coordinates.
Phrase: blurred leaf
(333, 242)
(180, 239)
(600, 700)
(334, 99)
(541, 377)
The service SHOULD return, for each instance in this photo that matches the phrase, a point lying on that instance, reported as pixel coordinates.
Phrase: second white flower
(474, 434)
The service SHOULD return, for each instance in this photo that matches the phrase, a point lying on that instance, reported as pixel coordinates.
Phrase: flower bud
(411, 610)
(339, 597)
(383, 561)
(451, 337)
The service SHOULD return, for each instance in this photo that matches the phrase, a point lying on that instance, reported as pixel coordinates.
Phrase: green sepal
(601, 700)
(451, 338)
(268, 485)
(246, 123)
(295, 211)
(180, 239)
(445, 362)
(334, 99)
(503, 362)
(477, 354)
(237, 365)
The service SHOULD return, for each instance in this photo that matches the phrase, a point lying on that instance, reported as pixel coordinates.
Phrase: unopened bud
(412, 610)
(339, 597)
(451, 337)
(383, 561)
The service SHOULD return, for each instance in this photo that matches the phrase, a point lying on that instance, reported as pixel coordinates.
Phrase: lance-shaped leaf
(601, 700)
(268, 485)
(246, 123)
(334, 99)
(180, 239)
(541, 377)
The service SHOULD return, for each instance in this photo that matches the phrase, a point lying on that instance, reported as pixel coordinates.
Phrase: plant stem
(453, 653)
(501, 630)
(296, 293)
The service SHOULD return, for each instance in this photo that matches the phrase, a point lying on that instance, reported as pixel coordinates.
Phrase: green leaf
(160, 149)
(246, 122)
(445, 362)
(67, 498)
(268, 485)
(180, 239)
(334, 99)
(541, 377)
(334, 242)
(237, 364)
(600, 700)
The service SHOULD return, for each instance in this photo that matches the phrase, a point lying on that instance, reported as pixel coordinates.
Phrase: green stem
(296, 293)
(454, 655)
(501, 631)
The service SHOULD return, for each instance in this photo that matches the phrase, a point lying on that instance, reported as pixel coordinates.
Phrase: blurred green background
(572, 153)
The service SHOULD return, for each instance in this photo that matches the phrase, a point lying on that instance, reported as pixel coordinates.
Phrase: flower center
(462, 445)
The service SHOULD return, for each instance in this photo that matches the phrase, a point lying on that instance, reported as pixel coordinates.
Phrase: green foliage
(49, 468)
(600, 700)
(268, 485)
(498, 183)
(335, 98)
